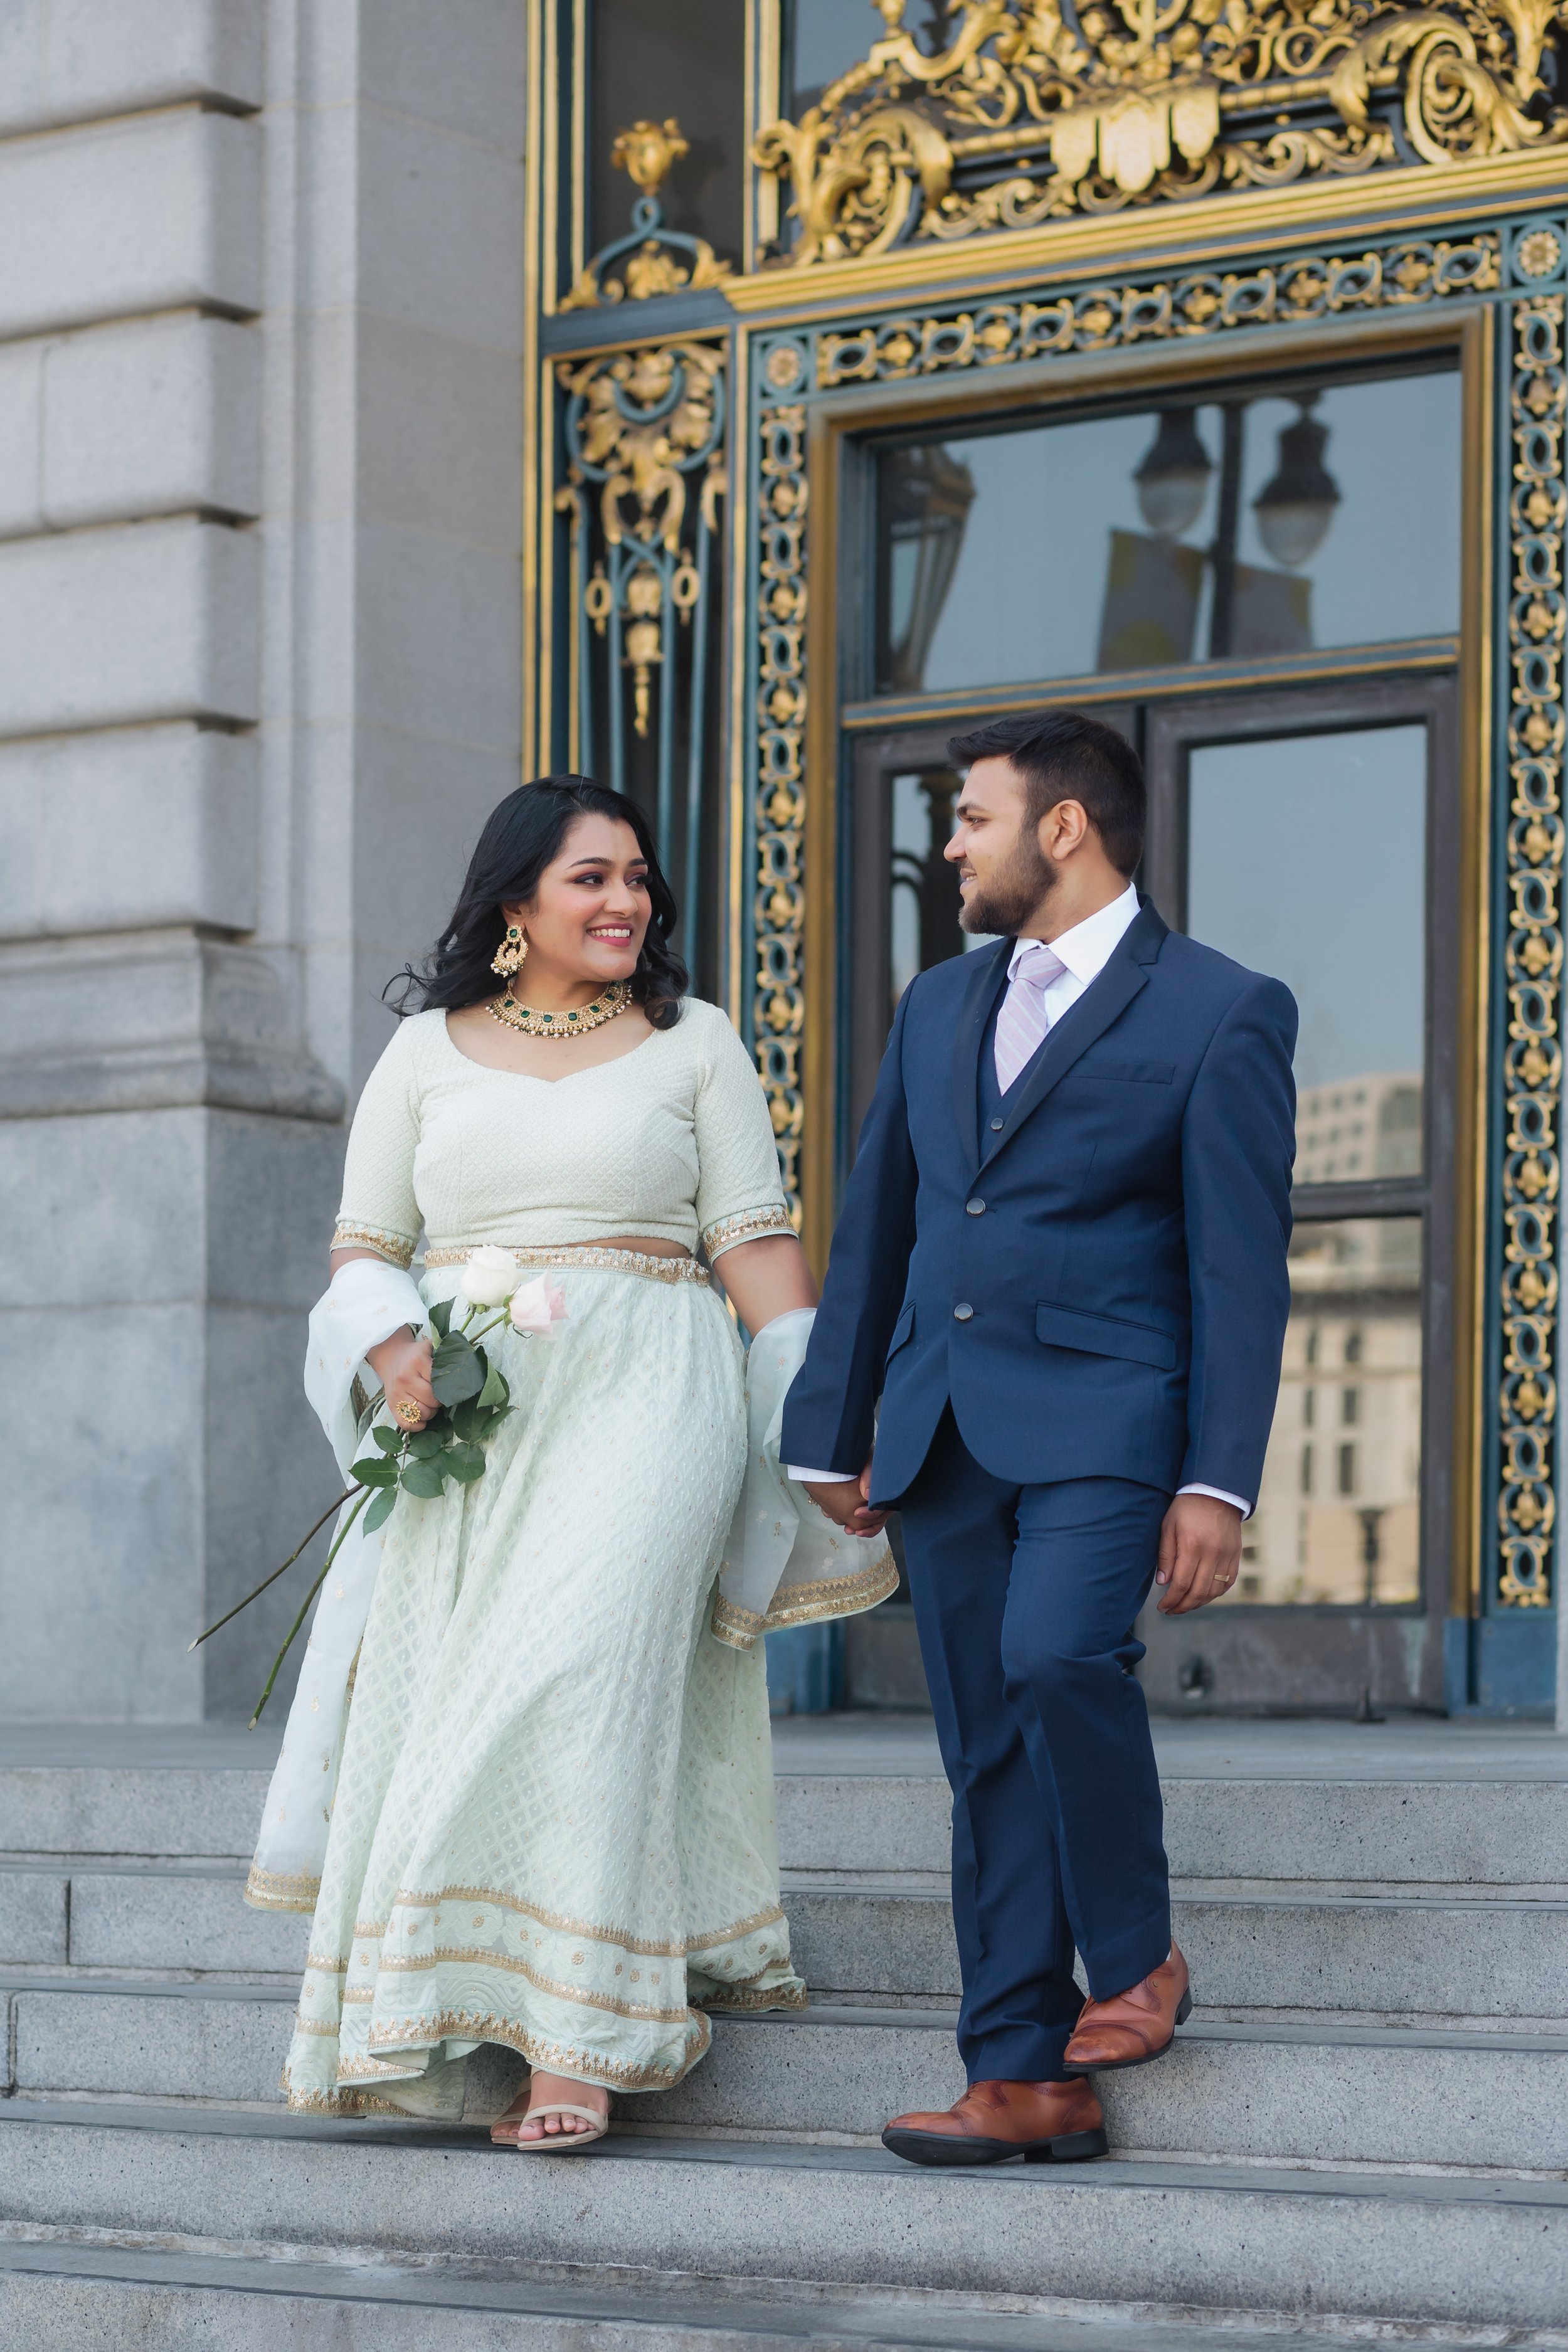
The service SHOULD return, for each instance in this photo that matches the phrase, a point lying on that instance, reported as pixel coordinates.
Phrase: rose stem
(277, 1572)
(365, 1493)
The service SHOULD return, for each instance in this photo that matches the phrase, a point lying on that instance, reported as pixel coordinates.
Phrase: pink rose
(536, 1307)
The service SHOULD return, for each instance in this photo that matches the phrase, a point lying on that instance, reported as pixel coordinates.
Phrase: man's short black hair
(1061, 755)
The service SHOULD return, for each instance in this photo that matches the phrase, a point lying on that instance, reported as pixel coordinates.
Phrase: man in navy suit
(1061, 1261)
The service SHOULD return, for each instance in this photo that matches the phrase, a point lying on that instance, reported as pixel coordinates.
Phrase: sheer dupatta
(365, 1303)
(785, 1563)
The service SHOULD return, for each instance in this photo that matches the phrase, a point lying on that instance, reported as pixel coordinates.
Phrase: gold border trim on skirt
(613, 1261)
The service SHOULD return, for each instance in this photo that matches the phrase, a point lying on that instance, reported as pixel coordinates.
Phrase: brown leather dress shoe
(1133, 2026)
(1045, 2123)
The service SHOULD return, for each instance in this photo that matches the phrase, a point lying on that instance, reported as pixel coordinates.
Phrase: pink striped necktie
(1023, 1020)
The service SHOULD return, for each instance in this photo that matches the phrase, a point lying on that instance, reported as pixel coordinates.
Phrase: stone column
(260, 534)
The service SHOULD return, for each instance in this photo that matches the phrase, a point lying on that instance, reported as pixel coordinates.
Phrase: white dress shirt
(1085, 950)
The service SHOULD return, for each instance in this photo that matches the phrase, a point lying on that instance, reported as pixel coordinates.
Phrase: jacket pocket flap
(902, 1328)
(1146, 1073)
(1105, 1334)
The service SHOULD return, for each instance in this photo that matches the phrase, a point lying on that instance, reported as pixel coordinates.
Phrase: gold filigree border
(1100, 318)
(779, 1013)
(1533, 1059)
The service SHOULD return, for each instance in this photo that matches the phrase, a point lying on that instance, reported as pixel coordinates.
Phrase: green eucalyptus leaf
(441, 1317)
(389, 1439)
(374, 1470)
(425, 1479)
(379, 1510)
(466, 1463)
(457, 1369)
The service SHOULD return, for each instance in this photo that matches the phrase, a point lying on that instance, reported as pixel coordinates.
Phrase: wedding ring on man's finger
(409, 1411)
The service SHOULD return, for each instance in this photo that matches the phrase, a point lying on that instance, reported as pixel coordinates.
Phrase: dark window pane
(1258, 525)
(1269, 882)
(653, 58)
(823, 38)
(1357, 1280)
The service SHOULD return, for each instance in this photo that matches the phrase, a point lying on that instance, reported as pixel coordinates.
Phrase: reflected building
(1338, 1522)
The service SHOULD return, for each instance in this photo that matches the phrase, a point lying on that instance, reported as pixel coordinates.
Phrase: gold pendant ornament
(512, 954)
(605, 1007)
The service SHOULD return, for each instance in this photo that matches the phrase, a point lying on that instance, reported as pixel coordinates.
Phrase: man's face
(1003, 878)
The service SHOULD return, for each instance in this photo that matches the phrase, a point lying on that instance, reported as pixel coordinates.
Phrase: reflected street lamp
(1294, 510)
(1173, 478)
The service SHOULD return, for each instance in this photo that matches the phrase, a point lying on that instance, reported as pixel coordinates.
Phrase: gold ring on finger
(409, 1411)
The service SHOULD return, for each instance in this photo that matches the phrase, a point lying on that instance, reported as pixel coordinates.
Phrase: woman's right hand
(402, 1365)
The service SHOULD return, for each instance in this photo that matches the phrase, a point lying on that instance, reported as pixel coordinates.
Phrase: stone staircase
(1365, 2128)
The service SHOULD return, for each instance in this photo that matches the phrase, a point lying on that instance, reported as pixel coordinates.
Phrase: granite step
(1196, 2239)
(1426, 1957)
(1275, 1949)
(1483, 1833)
(1318, 2094)
(1438, 1954)
(80, 2297)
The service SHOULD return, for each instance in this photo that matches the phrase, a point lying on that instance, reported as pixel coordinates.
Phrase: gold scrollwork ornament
(1148, 100)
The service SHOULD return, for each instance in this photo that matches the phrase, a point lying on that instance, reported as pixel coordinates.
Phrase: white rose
(490, 1278)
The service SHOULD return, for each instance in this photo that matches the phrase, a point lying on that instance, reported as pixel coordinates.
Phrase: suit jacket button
(974, 1208)
(963, 1313)
(997, 1125)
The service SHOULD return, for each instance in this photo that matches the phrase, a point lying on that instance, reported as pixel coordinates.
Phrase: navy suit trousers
(1025, 1599)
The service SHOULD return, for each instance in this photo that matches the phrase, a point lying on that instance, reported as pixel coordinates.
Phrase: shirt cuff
(817, 1477)
(1220, 1495)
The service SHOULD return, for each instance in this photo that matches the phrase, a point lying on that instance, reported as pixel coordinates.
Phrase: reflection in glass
(926, 494)
(1306, 859)
(1327, 516)
(923, 927)
(651, 59)
(1338, 1518)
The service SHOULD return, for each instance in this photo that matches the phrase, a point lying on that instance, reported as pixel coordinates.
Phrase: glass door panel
(1338, 1522)
(1307, 858)
(1310, 835)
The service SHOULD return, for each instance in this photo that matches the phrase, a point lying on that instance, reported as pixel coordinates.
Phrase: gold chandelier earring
(509, 958)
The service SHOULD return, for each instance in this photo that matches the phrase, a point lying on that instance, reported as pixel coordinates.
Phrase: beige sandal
(560, 2143)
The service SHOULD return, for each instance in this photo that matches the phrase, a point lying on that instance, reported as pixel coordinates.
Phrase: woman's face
(591, 912)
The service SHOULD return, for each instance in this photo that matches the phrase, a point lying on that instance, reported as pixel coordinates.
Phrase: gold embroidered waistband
(614, 1261)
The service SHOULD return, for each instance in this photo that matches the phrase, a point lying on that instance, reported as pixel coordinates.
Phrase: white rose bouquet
(473, 1400)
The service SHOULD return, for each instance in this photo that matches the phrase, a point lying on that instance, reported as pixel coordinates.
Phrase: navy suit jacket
(1120, 1244)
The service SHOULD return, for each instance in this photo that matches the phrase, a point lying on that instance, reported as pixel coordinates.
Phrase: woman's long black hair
(521, 837)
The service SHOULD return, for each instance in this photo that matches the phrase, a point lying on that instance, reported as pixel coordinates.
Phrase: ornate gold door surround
(1038, 208)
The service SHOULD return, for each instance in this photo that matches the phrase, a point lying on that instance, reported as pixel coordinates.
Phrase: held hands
(846, 1502)
(1200, 1552)
(402, 1365)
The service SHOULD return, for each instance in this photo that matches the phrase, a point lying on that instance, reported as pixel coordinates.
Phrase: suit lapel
(986, 984)
(1103, 1001)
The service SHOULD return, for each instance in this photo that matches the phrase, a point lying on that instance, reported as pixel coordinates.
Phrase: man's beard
(1015, 895)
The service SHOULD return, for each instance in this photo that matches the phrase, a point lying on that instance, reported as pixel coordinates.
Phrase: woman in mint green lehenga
(526, 1790)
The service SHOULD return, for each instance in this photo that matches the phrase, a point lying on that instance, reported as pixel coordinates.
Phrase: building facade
(732, 399)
